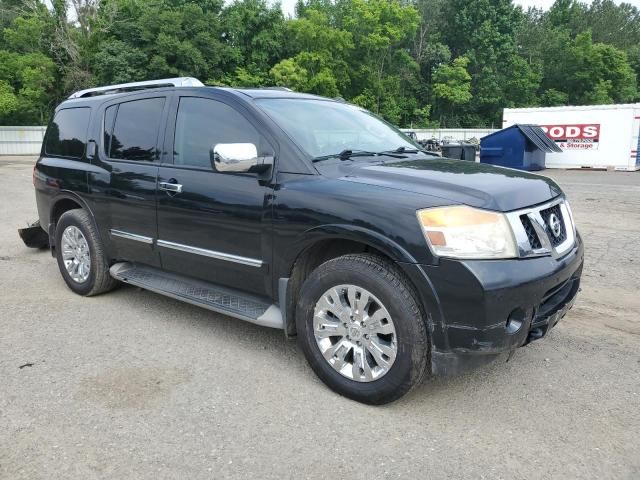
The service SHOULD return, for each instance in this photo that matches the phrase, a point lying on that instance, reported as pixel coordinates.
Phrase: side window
(67, 134)
(202, 123)
(109, 117)
(135, 131)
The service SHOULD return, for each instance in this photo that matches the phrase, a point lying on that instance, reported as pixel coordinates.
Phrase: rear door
(124, 184)
(216, 227)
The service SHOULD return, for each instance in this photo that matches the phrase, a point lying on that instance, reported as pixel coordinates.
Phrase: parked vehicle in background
(430, 145)
(309, 215)
(414, 137)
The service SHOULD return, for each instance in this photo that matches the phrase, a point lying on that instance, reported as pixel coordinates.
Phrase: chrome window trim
(131, 236)
(522, 240)
(252, 262)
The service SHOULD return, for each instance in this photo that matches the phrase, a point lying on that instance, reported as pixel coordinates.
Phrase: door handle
(170, 186)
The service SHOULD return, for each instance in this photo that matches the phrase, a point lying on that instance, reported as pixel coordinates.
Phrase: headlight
(465, 232)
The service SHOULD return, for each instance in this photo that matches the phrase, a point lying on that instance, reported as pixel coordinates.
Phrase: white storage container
(596, 136)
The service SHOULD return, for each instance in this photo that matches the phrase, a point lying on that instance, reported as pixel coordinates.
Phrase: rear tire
(80, 255)
(352, 297)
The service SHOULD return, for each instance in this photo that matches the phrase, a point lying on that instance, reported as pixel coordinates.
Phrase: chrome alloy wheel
(75, 254)
(355, 333)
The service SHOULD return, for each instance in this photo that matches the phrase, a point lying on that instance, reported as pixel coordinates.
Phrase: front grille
(560, 235)
(543, 230)
(534, 241)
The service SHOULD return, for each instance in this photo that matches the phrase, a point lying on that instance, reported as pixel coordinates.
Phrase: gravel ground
(135, 385)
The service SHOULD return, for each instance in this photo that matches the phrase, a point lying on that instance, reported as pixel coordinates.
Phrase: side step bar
(203, 294)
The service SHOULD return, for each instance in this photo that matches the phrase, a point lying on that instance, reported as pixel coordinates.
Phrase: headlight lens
(466, 232)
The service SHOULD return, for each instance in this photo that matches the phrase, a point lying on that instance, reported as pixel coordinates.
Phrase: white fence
(21, 140)
(28, 140)
(450, 133)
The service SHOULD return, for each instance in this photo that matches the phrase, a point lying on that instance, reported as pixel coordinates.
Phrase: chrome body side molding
(131, 236)
(251, 262)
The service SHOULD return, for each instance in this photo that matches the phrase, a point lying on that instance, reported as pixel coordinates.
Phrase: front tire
(80, 255)
(362, 330)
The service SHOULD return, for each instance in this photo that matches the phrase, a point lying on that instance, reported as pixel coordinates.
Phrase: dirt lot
(134, 385)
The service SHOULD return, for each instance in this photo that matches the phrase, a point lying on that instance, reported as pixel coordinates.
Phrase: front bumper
(480, 309)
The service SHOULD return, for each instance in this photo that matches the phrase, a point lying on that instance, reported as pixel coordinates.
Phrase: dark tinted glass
(203, 123)
(67, 134)
(109, 116)
(135, 132)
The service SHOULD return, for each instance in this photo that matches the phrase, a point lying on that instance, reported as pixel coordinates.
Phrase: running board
(202, 294)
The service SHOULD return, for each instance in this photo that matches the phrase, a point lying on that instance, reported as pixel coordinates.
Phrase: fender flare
(312, 236)
(351, 233)
(67, 195)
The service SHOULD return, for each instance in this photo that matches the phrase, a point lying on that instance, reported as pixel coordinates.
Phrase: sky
(289, 5)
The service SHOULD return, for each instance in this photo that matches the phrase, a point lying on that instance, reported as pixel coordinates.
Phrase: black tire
(388, 284)
(99, 280)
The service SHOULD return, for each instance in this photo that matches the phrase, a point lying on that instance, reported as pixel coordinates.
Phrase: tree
(459, 61)
(8, 100)
(320, 54)
(485, 32)
(356, 49)
(582, 73)
(288, 73)
(26, 82)
(253, 33)
(27, 72)
(452, 86)
(554, 98)
(118, 62)
(382, 32)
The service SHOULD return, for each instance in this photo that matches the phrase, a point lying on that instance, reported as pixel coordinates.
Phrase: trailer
(596, 136)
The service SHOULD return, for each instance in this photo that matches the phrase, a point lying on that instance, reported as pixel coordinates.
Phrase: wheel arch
(324, 243)
(62, 203)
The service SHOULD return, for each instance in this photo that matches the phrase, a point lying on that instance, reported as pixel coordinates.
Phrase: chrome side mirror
(234, 157)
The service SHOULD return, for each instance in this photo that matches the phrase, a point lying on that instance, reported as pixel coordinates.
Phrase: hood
(461, 182)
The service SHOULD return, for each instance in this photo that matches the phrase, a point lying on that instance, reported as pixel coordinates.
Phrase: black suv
(309, 215)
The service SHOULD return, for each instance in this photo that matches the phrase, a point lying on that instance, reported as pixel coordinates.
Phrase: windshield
(325, 128)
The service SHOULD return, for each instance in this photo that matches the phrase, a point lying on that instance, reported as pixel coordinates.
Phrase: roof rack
(284, 89)
(133, 86)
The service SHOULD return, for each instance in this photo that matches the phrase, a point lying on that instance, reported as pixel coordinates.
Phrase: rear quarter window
(67, 134)
(135, 130)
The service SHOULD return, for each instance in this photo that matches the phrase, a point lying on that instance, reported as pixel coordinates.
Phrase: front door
(213, 225)
(124, 184)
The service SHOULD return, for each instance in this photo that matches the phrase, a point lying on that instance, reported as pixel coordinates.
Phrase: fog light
(515, 321)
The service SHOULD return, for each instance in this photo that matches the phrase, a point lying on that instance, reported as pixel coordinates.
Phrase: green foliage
(25, 83)
(8, 101)
(588, 54)
(599, 73)
(452, 82)
(414, 62)
(118, 62)
(554, 98)
(288, 73)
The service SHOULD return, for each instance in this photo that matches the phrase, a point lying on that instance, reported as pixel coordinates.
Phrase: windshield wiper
(346, 154)
(349, 153)
(403, 150)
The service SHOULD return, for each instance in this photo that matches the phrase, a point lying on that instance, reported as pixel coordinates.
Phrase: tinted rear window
(67, 134)
(109, 117)
(135, 132)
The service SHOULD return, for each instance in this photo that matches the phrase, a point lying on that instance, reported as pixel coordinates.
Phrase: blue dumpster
(519, 146)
